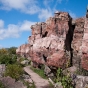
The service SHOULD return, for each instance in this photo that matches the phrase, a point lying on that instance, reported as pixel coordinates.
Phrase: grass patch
(40, 72)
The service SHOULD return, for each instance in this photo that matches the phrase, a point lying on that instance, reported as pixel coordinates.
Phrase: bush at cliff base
(15, 71)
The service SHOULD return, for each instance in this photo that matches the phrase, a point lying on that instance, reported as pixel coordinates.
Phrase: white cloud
(56, 3)
(47, 2)
(1, 23)
(45, 13)
(30, 7)
(14, 31)
(27, 6)
(73, 15)
(31, 10)
(25, 26)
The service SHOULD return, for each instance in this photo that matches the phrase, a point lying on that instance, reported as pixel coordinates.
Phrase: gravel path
(38, 81)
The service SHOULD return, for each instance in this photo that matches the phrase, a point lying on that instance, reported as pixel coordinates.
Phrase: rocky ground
(38, 81)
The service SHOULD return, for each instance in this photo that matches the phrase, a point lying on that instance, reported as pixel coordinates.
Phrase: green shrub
(12, 50)
(1, 85)
(3, 51)
(8, 59)
(65, 80)
(15, 71)
(29, 85)
(22, 59)
(8, 56)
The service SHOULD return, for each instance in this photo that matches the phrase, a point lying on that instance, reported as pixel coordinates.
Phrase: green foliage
(29, 85)
(15, 71)
(40, 72)
(51, 85)
(65, 80)
(22, 59)
(82, 71)
(3, 51)
(12, 50)
(6, 57)
(1, 85)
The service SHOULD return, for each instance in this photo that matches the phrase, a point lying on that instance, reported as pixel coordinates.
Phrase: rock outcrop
(78, 25)
(84, 47)
(11, 83)
(50, 42)
(59, 42)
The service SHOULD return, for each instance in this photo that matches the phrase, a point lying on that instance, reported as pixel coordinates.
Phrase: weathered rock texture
(2, 69)
(10, 83)
(59, 42)
(50, 42)
(77, 40)
(84, 47)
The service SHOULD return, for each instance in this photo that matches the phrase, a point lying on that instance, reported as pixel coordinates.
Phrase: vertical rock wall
(84, 47)
(77, 40)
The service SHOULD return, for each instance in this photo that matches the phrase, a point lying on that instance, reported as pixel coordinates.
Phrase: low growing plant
(65, 80)
(29, 85)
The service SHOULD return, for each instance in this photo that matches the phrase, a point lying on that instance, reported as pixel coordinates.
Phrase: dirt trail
(39, 82)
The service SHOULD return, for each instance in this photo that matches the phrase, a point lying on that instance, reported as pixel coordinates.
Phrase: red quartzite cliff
(59, 42)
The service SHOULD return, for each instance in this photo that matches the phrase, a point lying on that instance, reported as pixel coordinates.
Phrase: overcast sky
(16, 16)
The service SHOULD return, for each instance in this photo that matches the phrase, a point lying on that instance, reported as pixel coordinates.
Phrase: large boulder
(10, 83)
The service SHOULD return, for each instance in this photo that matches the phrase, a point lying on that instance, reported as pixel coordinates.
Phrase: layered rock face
(50, 42)
(58, 42)
(78, 25)
(84, 47)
